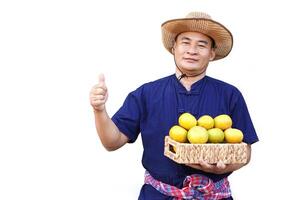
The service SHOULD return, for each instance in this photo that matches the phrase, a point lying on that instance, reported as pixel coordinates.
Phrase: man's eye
(185, 42)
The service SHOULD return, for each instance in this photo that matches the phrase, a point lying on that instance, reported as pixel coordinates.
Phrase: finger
(195, 166)
(97, 102)
(102, 85)
(99, 97)
(99, 91)
(205, 164)
(220, 165)
(101, 82)
(101, 78)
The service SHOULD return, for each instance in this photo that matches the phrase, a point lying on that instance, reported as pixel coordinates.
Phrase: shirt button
(181, 110)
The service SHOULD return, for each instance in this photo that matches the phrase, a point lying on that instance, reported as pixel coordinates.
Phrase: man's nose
(192, 50)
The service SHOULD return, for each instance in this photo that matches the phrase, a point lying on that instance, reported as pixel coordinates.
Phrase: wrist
(99, 111)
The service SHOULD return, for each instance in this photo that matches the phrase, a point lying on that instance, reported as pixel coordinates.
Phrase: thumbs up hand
(99, 94)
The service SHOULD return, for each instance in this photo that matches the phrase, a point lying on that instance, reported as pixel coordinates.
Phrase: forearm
(108, 132)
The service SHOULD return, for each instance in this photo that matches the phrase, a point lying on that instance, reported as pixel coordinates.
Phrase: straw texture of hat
(202, 23)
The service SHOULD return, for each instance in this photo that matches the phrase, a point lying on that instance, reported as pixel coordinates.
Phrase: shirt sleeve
(242, 120)
(127, 118)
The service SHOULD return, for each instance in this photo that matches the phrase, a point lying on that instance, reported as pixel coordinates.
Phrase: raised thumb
(101, 79)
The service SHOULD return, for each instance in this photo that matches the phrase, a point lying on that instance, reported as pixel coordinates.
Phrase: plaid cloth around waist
(195, 187)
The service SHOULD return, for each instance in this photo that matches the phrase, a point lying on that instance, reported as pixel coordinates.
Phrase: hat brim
(220, 34)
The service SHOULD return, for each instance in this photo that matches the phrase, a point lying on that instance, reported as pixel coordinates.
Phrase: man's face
(193, 51)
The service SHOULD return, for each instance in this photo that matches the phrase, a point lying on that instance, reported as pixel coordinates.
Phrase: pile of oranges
(205, 130)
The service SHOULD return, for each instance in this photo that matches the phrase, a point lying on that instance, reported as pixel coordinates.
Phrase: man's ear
(213, 54)
(173, 48)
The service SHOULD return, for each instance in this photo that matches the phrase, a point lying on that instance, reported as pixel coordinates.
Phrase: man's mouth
(191, 60)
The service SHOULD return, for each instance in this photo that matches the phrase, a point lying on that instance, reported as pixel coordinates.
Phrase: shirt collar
(196, 87)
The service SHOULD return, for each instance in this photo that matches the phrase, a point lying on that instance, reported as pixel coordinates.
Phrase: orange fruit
(206, 121)
(178, 133)
(223, 122)
(233, 135)
(216, 135)
(197, 135)
(187, 121)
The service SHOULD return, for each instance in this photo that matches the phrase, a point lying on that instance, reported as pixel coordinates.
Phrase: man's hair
(213, 45)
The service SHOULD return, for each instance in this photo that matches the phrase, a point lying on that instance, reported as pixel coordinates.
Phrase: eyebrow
(185, 38)
(200, 41)
(203, 41)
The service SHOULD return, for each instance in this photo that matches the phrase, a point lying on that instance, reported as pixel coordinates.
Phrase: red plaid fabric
(195, 187)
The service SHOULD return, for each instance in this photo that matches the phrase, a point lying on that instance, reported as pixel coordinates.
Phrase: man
(154, 108)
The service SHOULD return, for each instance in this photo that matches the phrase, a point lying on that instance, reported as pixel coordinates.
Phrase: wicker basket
(186, 153)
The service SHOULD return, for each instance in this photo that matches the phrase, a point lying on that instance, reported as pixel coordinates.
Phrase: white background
(51, 53)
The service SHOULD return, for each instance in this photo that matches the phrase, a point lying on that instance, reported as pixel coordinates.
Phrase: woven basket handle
(169, 144)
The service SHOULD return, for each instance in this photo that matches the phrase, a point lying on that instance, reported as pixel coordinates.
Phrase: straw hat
(202, 23)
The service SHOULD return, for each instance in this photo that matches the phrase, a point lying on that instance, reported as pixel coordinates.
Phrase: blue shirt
(154, 108)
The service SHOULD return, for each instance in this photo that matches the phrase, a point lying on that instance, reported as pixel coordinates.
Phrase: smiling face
(193, 51)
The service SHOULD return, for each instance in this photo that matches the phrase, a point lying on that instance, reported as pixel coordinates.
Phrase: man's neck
(187, 82)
